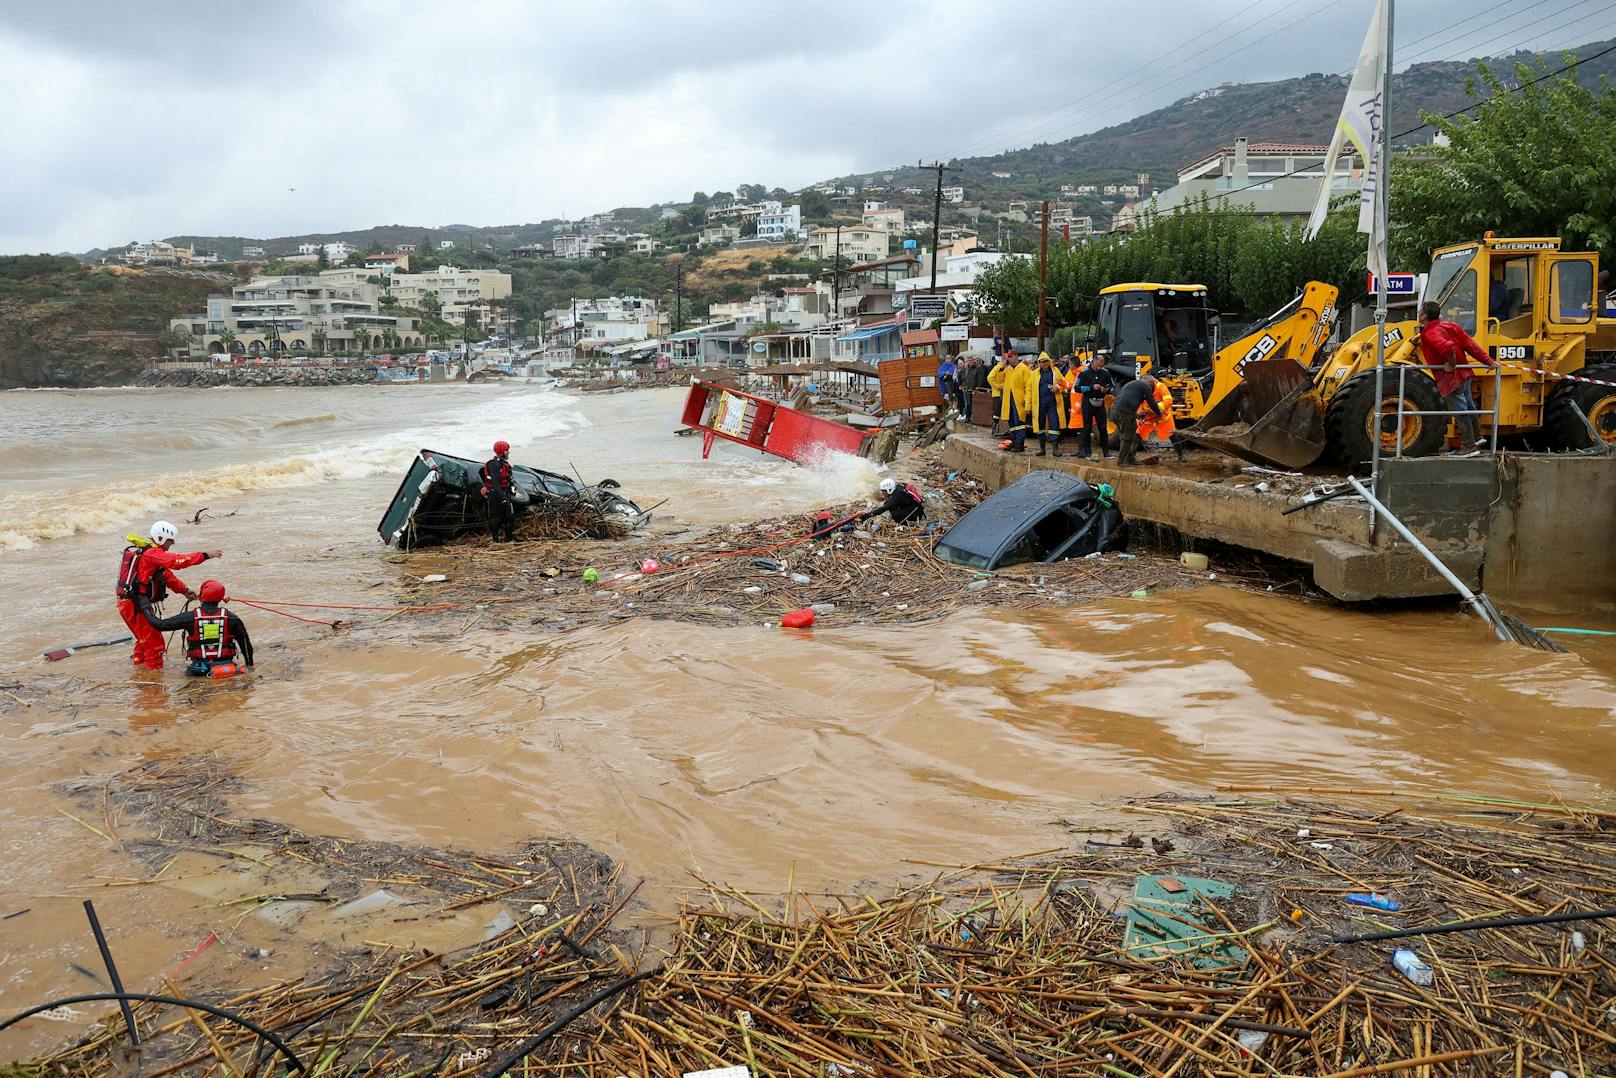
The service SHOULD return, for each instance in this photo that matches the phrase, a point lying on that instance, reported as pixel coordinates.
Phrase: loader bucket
(1273, 417)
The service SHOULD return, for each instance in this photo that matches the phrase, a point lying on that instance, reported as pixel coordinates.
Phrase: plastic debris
(434, 578)
(1140, 593)
(1252, 1039)
(591, 576)
(1304, 832)
(822, 608)
(1375, 902)
(976, 585)
(801, 578)
(1409, 965)
(1578, 942)
(538, 909)
(1322, 845)
(753, 590)
(650, 565)
(768, 564)
(797, 619)
(720, 1072)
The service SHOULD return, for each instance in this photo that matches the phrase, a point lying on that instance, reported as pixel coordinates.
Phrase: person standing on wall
(1444, 345)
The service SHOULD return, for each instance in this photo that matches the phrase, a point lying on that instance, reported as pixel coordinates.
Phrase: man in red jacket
(151, 576)
(1445, 345)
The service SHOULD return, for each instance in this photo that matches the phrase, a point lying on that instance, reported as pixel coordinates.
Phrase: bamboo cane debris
(1018, 967)
(747, 573)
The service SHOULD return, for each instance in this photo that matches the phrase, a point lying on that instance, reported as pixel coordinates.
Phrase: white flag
(1363, 116)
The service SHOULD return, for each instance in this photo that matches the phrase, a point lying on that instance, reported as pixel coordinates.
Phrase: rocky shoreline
(212, 377)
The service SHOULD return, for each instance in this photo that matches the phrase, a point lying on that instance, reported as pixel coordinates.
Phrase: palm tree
(318, 337)
(228, 339)
(362, 337)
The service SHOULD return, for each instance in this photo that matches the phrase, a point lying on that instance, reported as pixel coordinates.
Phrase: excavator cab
(1162, 329)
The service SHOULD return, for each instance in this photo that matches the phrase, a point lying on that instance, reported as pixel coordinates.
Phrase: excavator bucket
(1273, 417)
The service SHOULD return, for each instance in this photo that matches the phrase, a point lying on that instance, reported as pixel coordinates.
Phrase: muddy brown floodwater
(744, 754)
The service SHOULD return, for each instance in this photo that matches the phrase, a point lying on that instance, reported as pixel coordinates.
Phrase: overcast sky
(148, 118)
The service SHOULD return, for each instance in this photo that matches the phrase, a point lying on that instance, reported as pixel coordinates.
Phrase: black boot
(1043, 444)
(1055, 448)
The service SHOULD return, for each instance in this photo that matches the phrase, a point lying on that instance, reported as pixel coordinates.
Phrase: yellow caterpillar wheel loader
(1169, 331)
(1533, 307)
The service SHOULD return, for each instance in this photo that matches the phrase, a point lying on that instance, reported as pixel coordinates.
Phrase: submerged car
(1042, 517)
(441, 499)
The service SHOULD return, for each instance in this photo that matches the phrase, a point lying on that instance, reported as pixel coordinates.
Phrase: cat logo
(1257, 352)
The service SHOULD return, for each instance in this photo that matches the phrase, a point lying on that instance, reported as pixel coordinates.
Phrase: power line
(1096, 108)
(1035, 121)
(1224, 195)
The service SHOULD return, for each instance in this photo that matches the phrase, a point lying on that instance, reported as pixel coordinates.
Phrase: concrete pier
(1536, 528)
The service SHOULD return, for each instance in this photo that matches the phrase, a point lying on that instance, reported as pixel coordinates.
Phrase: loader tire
(1598, 403)
(1350, 415)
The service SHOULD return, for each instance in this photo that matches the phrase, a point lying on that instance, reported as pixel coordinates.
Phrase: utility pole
(936, 217)
(679, 296)
(1043, 277)
(836, 279)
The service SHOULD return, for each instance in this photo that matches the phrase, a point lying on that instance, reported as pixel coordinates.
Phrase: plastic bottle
(1375, 902)
(801, 578)
(822, 608)
(1409, 965)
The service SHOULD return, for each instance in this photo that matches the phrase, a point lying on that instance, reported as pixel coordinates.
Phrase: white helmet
(163, 531)
(888, 486)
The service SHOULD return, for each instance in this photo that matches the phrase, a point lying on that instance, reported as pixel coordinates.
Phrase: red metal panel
(765, 425)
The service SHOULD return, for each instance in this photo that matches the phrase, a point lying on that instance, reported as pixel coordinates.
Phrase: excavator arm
(1263, 408)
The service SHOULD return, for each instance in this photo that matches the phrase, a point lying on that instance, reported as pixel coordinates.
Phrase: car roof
(1004, 516)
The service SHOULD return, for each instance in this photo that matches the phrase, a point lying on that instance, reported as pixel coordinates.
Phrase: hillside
(65, 324)
(1302, 109)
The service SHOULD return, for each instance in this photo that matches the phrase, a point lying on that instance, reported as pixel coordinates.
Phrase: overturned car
(1042, 517)
(441, 499)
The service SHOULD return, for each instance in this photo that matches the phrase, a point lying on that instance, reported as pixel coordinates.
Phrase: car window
(1459, 305)
(1572, 287)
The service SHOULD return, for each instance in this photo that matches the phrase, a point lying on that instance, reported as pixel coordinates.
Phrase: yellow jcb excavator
(1533, 307)
(1169, 331)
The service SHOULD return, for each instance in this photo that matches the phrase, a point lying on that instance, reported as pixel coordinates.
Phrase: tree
(228, 339)
(1006, 294)
(1532, 161)
(355, 258)
(317, 338)
(815, 206)
(699, 198)
(388, 301)
(321, 259)
(174, 339)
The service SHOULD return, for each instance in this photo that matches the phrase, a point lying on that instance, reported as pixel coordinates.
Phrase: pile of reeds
(1026, 972)
(1017, 967)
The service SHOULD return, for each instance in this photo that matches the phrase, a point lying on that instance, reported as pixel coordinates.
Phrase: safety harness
(208, 639)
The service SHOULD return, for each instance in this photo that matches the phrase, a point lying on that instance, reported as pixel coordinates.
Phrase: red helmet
(211, 591)
(501, 448)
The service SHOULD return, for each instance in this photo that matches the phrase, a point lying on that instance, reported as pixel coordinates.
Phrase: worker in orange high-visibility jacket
(1160, 426)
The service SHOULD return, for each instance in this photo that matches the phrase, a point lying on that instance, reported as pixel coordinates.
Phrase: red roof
(919, 336)
(383, 258)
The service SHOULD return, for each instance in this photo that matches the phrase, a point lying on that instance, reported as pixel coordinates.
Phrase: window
(1444, 269)
(1459, 304)
(1571, 291)
(1136, 331)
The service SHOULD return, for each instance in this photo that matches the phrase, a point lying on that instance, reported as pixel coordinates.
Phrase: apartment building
(157, 253)
(335, 251)
(458, 290)
(953, 194)
(276, 315)
(781, 224)
(718, 235)
(888, 218)
(851, 245)
(614, 318)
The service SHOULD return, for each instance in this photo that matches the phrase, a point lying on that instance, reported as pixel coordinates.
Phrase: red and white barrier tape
(1567, 377)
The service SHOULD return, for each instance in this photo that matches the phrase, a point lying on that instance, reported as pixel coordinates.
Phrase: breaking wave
(28, 520)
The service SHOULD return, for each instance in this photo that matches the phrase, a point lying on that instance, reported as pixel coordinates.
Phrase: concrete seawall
(1537, 529)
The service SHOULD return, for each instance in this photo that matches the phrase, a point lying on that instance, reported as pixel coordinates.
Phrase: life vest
(208, 638)
(497, 471)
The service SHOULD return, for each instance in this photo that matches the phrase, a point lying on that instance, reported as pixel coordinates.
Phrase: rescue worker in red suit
(499, 487)
(213, 635)
(145, 578)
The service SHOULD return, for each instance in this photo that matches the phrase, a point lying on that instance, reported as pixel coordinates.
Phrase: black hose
(173, 1001)
(523, 1050)
(1471, 926)
(112, 972)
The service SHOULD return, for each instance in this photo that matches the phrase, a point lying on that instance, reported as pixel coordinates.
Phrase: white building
(851, 244)
(252, 252)
(1087, 189)
(444, 245)
(953, 194)
(718, 235)
(335, 251)
(1276, 181)
(782, 223)
(890, 218)
(278, 315)
(614, 318)
(458, 291)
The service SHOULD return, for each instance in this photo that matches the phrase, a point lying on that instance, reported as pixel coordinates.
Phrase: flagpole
(1383, 222)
